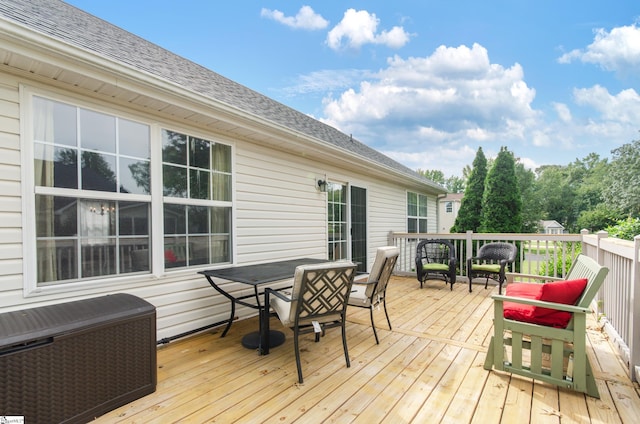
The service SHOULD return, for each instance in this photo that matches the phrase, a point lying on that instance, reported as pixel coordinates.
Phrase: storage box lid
(20, 327)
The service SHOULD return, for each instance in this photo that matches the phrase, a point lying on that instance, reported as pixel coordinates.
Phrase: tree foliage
(453, 184)
(502, 202)
(622, 190)
(470, 209)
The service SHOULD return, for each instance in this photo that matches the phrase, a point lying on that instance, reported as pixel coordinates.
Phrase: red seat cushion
(567, 292)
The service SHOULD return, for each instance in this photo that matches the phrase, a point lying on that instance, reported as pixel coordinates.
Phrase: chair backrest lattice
(435, 251)
(321, 290)
(497, 252)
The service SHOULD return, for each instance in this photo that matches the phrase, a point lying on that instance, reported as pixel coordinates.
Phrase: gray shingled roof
(78, 28)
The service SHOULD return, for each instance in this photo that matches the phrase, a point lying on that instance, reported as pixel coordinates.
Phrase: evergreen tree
(469, 214)
(502, 202)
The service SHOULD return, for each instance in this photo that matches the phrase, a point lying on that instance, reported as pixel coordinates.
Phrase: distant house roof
(550, 223)
(75, 27)
(452, 197)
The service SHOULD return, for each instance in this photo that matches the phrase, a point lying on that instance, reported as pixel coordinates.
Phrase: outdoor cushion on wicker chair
(491, 262)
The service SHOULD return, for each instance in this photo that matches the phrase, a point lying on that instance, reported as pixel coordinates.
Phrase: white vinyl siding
(10, 192)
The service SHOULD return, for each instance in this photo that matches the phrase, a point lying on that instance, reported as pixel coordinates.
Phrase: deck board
(427, 369)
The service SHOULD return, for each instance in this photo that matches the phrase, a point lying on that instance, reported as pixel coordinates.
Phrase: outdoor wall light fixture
(322, 185)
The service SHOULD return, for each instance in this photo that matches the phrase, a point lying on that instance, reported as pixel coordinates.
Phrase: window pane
(422, 205)
(412, 225)
(199, 250)
(137, 257)
(221, 248)
(54, 122)
(198, 220)
(175, 219)
(220, 220)
(412, 204)
(199, 153)
(174, 181)
(97, 221)
(56, 216)
(133, 139)
(97, 131)
(199, 184)
(175, 251)
(98, 257)
(57, 260)
(135, 176)
(133, 218)
(174, 147)
(55, 166)
(221, 154)
(221, 187)
(98, 172)
(422, 225)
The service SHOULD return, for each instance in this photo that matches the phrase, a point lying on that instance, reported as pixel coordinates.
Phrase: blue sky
(426, 82)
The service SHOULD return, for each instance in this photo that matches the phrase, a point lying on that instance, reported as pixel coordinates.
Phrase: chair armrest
(277, 293)
(543, 304)
(365, 283)
(511, 276)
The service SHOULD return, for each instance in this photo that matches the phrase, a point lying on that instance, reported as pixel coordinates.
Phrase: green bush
(559, 263)
(625, 229)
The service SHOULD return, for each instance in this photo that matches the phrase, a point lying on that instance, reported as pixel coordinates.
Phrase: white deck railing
(618, 302)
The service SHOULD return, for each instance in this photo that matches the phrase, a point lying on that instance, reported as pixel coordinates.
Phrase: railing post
(634, 330)
(599, 252)
(469, 249)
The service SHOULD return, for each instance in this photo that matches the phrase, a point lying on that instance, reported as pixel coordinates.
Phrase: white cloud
(456, 93)
(617, 51)
(563, 111)
(623, 107)
(358, 28)
(306, 18)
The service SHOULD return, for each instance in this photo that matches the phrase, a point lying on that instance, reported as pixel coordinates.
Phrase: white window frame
(417, 217)
(30, 285)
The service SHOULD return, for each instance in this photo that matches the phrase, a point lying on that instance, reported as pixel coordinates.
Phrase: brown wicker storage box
(74, 361)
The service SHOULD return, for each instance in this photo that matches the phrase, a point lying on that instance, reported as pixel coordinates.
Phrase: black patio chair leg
(297, 349)
(384, 304)
(344, 344)
(373, 325)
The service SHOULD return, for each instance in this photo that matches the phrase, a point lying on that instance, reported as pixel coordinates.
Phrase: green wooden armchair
(549, 321)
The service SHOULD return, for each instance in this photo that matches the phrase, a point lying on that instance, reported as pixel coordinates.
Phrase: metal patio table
(255, 275)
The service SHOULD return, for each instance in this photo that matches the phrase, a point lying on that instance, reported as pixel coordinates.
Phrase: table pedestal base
(252, 340)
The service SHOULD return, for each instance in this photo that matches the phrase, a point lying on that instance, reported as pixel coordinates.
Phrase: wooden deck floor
(427, 370)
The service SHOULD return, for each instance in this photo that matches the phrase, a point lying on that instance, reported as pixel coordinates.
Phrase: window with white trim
(416, 213)
(92, 174)
(448, 207)
(197, 194)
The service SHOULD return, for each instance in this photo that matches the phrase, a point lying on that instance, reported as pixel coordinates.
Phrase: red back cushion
(567, 292)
